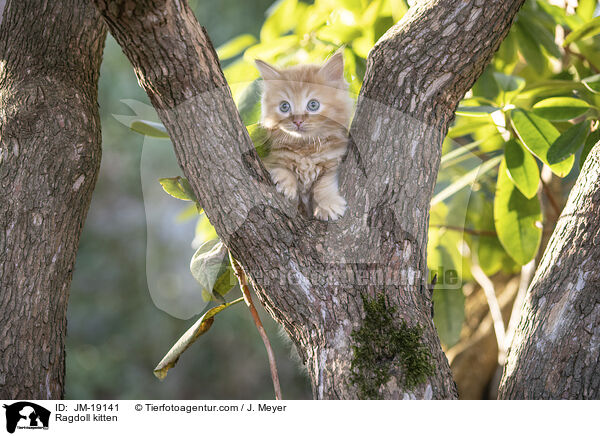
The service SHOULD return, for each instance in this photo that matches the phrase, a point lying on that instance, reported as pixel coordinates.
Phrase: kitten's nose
(298, 123)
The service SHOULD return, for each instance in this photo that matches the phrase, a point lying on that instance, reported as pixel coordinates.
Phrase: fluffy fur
(307, 145)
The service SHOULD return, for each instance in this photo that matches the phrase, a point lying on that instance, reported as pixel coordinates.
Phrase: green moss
(382, 344)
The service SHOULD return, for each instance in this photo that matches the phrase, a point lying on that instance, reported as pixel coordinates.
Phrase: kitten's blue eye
(284, 106)
(313, 105)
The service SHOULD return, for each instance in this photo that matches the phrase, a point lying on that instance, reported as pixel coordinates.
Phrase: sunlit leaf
(204, 231)
(592, 83)
(466, 180)
(281, 18)
(210, 267)
(178, 187)
(149, 128)
(339, 33)
(548, 88)
(538, 134)
(589, 29)
(518, 220)
(568, 142)
(189, 337)
(249, 103)
(268, 50)
(235, 46)
(491, 254)
(261, 139)
(522, 168)
(586, 8)
(560, 108)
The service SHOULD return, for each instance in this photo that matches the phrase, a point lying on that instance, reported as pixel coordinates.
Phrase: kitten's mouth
(297, 131)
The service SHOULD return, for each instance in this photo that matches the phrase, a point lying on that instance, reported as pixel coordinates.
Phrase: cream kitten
(306, 109)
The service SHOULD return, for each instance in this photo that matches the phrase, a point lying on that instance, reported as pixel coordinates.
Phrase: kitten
(306, 110)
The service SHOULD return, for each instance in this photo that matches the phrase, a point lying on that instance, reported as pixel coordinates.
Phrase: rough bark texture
(311, 275)
(556, 350)
(50, 55)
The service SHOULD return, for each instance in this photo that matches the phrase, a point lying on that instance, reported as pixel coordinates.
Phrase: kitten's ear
(334, 67)
(268, 72)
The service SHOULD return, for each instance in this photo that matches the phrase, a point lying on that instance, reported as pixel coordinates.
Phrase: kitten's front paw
(330, 208)
(285, 182)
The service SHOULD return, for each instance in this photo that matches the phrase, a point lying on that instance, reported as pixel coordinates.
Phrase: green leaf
(235, 46)
(149, 128)
(448, 314)
(458, 155)
(261, 139)
(280, 20)
(189, 337)
(249, 103)
(538, 134)
(539, 33)
(475, 111)
(560, 108)
(448, 302)
(465, 180)
(568, 142)
(269, 50)
(204, 231)
(548, 88)
(508, 83)
(491, 255)
(586, 8)
(178, 187)
(522, 168)
(211, 269)
(592, 83)
(339, 33)
(591, 141)
(589, 29)
(530, 49)
(518, 220)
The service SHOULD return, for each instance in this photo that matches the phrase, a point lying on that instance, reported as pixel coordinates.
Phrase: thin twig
(583, 58)
(490, 295)
(551, 198)
(243, 279)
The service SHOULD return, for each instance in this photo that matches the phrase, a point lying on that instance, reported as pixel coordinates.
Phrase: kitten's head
(306, 102)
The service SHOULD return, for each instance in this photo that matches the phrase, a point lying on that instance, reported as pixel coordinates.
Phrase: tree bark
(555, 353)
(49, 161)
(312, 275)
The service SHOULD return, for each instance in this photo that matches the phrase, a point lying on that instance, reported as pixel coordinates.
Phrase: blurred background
(132, 295)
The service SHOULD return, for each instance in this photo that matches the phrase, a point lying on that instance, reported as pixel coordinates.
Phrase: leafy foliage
(382, 344)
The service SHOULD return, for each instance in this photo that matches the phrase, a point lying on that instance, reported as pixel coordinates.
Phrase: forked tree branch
(312, 275)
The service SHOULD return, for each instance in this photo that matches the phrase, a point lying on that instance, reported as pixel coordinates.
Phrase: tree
(49, 161)
(261, 229)
(354, 295)
(559, 329)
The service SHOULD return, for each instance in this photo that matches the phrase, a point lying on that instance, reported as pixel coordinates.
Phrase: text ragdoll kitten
(306, 110)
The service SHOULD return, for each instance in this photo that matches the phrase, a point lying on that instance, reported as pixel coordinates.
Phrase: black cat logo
(26, 415)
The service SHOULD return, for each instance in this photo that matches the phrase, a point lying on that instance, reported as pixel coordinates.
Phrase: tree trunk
(312, 276)
(49, 162)
(556, 349)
